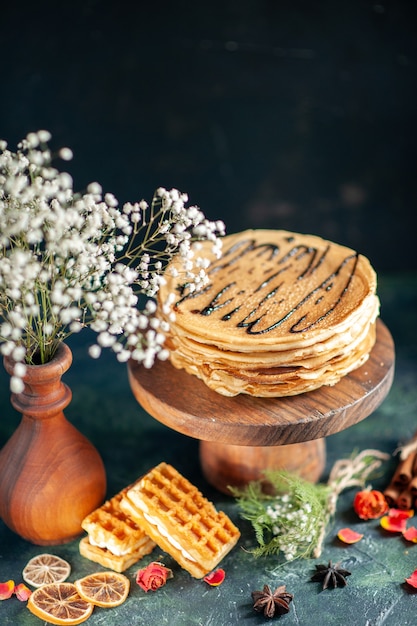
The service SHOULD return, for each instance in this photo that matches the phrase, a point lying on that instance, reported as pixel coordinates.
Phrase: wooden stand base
(242, 436)
(227, 465)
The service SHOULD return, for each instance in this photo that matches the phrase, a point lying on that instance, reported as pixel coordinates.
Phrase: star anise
(271, 603)
(331, 575)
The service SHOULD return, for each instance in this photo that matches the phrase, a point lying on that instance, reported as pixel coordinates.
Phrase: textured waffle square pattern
(109, 527)
(185, 522)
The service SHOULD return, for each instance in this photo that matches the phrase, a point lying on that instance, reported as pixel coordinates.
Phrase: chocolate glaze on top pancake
(273, 292)
(271, 284)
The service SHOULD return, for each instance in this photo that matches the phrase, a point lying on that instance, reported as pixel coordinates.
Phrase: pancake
(281, 314)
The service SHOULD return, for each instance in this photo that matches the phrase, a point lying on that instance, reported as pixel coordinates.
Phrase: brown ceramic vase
(51, 476)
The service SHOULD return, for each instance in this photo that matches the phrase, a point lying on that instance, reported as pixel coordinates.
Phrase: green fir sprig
(289, 521)
(294, 519)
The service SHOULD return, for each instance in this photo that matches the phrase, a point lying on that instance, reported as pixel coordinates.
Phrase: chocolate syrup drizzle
(270, 252)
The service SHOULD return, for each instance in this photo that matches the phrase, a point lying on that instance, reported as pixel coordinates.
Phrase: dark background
(295, 114)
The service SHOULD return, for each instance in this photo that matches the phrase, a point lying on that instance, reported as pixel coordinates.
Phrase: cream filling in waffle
(163, 531)
(159, 526)
(118, 563)
(180, 520)
(109, 528)
(111, 546)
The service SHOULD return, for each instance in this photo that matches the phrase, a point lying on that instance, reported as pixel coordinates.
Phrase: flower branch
(293, 515)
(70, 260)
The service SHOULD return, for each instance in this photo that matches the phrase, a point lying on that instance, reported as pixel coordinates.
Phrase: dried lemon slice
(44, 569)
(105, 589)
(59, 603)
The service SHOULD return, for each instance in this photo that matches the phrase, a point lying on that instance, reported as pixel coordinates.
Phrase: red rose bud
(153, 576)
(370, 504)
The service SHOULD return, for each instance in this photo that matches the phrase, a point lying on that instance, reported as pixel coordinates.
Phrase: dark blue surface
(131, 442)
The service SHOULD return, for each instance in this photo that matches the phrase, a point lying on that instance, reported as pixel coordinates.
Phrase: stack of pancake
(282, 314)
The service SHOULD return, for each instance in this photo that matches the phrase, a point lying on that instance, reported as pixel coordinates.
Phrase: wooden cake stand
(242, 436)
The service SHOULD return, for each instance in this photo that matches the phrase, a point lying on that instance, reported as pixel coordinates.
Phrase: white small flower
(123, 356)
(44, 136)
(105, 339)
(70, 314)
(66, 154)
(19, 370)
(65, 182)
(32, 140)
(18, 353)
(150, 307)
(70, 260)
(76, 327)
(110, 200)
(94, 351)
(7, 348)
(5, 330)
(16, 384)
(94, 188)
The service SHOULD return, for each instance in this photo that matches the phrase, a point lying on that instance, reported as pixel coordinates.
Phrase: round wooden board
(184, 403)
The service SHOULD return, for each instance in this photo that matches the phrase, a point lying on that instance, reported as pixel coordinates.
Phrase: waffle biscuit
(183, 523)
(114, 540)
(282, 314)
(118, 563)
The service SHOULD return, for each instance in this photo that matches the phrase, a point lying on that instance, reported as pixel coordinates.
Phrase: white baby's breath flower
(19, 370)
(16, 384)
(69, 315)
(44, 135)
(123, 356)
(71, 260)
(32, 140)
(110, 200)
(7, 348)
(65, 182)
(76, 327)
(66, 154)
(5, 330)
(94, 351)
(18, 353)
(94, 188)
(105, 339)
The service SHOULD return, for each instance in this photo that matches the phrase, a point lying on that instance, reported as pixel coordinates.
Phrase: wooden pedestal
(242, 436)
